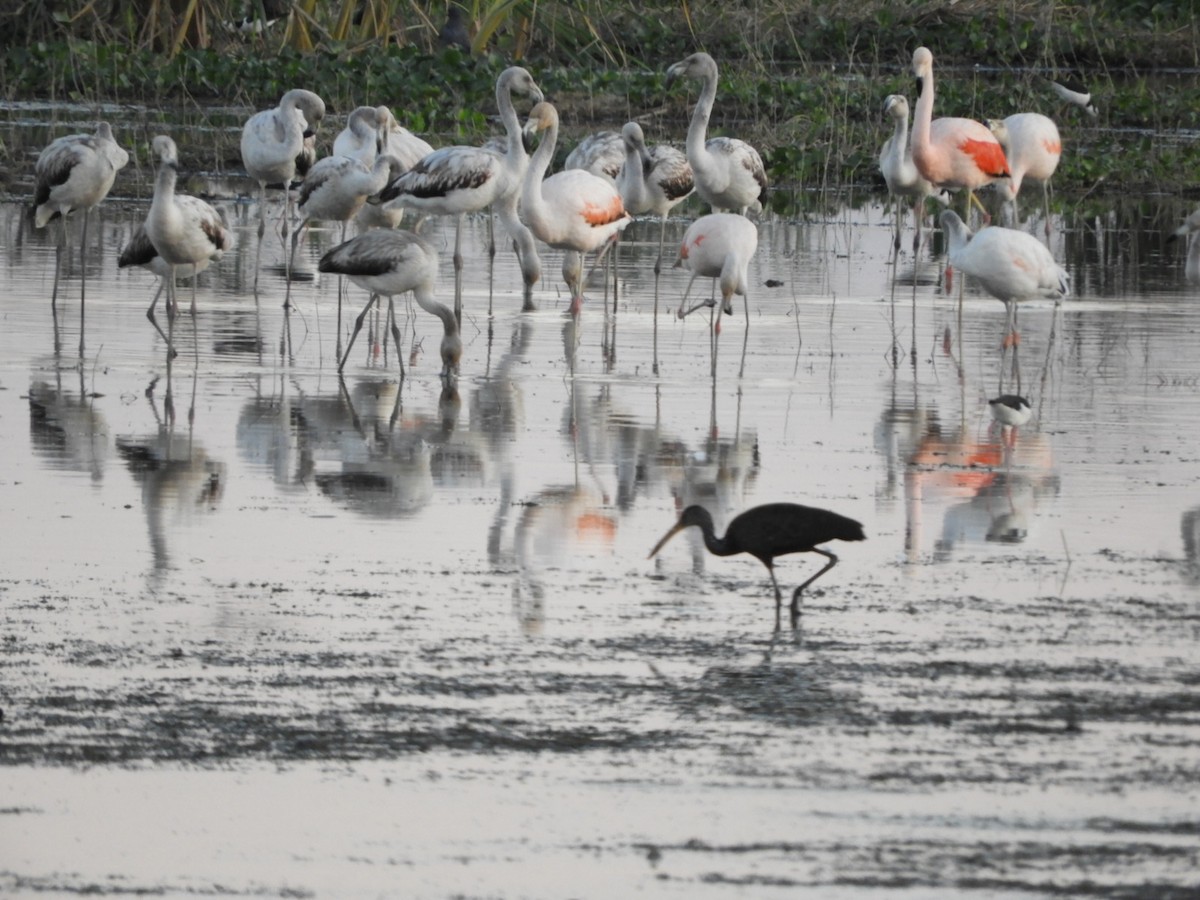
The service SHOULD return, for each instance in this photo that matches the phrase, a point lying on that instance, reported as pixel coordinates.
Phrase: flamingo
(1033, 148)
(335, 190)
(719, 245)
(899, 171)
(361, 137)
(271, 142)
(454, 181)
(409, 149)
(952, 153)
(600, 153)
(1190, 229)
(729, 172)
(573, 210)
(1011, 265)
(140, 251)
(652, 180)
(75, 172)
(388, 263)
(184, 230)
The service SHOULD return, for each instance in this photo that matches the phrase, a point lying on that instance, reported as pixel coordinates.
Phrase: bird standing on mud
(771, 530)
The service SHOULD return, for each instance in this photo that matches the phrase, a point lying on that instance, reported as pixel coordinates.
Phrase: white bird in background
(361, 137)
(454, 181)
(184, 230)
(729, 172)
(392, 262)
(271, 142)
(1190, 229)
(140, 251)
(336, 188)
(75, 172)
(573, 210)
(408, 149)
(600, 153)
(1033, 148)
(1011, 265)
(899, 171)
(1072, 97)
(953, 153)
(652, 181)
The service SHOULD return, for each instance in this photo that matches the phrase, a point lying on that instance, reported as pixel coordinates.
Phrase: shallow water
(269, 632)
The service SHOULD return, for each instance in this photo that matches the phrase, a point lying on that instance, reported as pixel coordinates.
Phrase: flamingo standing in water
(573, 210)
(408, 149)
(899, 171)
(272, 140)
(719, 245)
(1011, 265)
(652, 181)
(953, 153)
(184, 230)
(454, 181)
(75, 172)
(140, 251)
(388, 263)
(1033, 148)
(729, 172)
(336, 188)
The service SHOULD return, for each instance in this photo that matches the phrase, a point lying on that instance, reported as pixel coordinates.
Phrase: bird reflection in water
(178, 478)
(66, 429)
(990, 490)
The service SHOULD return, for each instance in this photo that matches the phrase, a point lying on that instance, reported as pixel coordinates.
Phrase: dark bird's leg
(778, 593)
(358, 324)
(833, 561)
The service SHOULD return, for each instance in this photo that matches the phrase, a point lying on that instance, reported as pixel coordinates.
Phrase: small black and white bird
(1011, 410)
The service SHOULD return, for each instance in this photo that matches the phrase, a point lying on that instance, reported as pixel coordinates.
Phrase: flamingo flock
(377, 171)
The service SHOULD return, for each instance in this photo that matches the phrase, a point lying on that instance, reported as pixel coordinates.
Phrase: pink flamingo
(1033, 148)
(958, 154)
(572, 210)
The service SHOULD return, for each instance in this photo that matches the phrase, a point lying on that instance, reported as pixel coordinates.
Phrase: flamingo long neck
(512, 126)
(923, 120)
(162, 206)
(900, 137)
(698, 129)
(424, 298)
(533, 203)
(381, 174)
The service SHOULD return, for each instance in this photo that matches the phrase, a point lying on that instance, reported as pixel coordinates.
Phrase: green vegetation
(805, 81)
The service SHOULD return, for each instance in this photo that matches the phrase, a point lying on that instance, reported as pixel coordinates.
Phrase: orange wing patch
(1054, 148)
(595, 214)
(988, 155)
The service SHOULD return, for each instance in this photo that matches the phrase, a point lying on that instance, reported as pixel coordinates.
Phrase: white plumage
(272, 140)
(75, 172)
(573, 210)
(454, 181)
(1190, 230)
(1033, 148)
(600, 153)
(361, 137)
(1011, 265)
(729, 172)
(184, 230)
(720, 246)
(389, 263)
(652, 181)
(899, 170)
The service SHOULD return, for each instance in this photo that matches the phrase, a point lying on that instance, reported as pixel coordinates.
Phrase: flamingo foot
(576, 305)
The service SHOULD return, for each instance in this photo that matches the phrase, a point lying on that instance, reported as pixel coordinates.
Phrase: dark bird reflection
(179, 480)
(66, 429)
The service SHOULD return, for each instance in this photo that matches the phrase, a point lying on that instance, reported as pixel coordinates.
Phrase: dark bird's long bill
(678, 527)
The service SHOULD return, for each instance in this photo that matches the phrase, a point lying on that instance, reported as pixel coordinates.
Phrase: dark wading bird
(771, 530)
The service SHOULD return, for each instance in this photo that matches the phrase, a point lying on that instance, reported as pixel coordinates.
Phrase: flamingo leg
(833, 561)
(58, 254)
(150, 312)
(358, 324)
(262, 228)
(458, 267)
(396, 335)
(82, 277)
